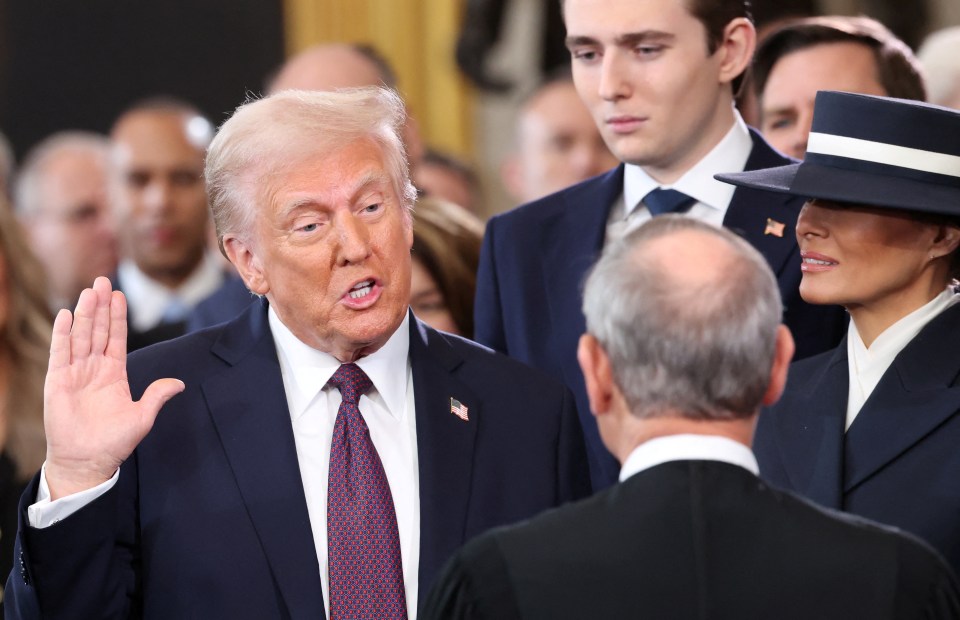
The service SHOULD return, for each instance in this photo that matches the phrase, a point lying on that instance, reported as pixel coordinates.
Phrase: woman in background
(446, 252)
(25, 326)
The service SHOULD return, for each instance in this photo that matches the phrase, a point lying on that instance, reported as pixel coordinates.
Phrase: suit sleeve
(85, 566)
(473, 585)
(488, 312)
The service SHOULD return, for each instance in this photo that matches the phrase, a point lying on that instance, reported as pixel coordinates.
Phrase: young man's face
(659, 98)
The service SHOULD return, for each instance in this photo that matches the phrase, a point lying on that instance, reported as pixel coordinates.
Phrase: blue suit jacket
(209, 518)
(535, 258)
(899, 463)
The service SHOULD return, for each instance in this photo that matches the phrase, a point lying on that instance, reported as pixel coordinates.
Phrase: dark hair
(384, 68)
(446, 241)
(715, 15)
(898, 70)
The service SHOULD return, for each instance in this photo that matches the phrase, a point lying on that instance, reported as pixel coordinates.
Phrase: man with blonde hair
(326, 451)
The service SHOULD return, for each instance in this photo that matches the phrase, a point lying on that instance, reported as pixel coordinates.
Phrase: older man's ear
(247, 264)
(597, 374)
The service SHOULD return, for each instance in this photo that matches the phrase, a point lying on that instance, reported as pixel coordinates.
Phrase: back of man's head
(688, 316)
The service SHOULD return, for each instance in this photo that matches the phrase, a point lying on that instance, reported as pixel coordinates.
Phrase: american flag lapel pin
(774, 228)
(459, 409)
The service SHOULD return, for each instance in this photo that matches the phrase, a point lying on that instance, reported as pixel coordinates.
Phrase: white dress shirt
(868, 365)
(712, 196)
(688, 448)
(148, 299)
(389, 412)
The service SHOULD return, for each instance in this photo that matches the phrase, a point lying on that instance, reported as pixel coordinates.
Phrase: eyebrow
(373, 177)
(628, 39)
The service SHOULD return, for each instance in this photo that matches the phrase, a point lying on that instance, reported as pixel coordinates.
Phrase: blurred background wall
(76, 64)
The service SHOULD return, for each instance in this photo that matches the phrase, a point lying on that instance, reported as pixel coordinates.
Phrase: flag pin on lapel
(459, 409)
(774, 228)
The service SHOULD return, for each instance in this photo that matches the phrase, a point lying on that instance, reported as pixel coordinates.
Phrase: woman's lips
(813, 262)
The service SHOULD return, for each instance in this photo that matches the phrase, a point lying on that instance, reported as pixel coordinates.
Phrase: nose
(156, 195)
(811, 221)
(804, 124)
(353, 238)
(612, 86)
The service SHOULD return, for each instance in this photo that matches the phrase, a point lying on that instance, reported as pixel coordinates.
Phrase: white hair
(703, 349)
(266, 136)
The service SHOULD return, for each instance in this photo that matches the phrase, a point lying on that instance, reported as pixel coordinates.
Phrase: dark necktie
(366, 573)
(660, 201)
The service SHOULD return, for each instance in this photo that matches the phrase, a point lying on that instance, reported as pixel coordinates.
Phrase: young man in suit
(659, 77)
(323, 451)
(684, 344)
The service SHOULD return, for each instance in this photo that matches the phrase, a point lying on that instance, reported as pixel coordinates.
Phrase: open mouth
(361, 289)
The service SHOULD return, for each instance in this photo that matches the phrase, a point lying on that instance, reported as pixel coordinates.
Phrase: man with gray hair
(684, 344)
(327, 451)
(61, 200)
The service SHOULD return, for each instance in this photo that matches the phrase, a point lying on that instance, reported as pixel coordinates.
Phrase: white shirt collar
(308, 369)
(688, 448)
(729, 155)
(148, 299)
(867, 366)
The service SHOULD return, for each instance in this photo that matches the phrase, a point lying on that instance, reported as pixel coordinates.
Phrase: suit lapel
(809, 431)
(249, 409)
(750, 210)
(445, 445)
(915, 396)
(571, 241)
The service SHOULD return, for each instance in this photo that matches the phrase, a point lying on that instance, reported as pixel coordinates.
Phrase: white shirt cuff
(45, 512)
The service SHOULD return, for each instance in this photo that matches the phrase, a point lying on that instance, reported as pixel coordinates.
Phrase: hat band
(883, 153)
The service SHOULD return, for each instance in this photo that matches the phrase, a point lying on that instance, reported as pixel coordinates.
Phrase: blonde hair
(24, 344)
(266, 136)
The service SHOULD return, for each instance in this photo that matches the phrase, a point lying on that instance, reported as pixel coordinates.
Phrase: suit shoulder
(181, 356)
(533, 212)
(490, 363)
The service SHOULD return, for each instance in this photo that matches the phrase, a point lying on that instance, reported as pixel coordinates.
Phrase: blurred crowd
(132, 205)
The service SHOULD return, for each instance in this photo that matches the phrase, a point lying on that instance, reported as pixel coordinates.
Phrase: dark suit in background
(225, 304)
(534, 260)
(209, 518)
(899, 462)
(694, 539)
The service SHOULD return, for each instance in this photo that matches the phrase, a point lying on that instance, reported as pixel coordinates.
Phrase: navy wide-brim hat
(875, 151)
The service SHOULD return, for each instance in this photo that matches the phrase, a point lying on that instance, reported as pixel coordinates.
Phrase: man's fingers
(101, 316)
(81, 333)
(60, 340)
(117, 339)
(156, 395)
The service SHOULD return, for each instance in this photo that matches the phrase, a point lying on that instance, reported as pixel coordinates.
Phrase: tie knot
(661, 201)
(351, 381)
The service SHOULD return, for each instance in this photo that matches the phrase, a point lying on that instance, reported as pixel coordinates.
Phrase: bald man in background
(160, 201)
(557, 142)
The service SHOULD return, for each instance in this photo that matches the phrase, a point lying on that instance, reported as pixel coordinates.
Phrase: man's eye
(309, 227)
(372, 208)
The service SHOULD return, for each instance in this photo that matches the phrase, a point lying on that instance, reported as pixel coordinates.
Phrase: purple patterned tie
(366, 573)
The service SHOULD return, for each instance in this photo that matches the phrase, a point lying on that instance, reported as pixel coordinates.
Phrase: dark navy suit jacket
(899, 463)
(209, 519)
(535, 258)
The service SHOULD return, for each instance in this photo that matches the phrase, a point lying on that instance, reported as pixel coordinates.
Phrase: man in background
(61, 200)
(659, 78)
(684, 344)
(160, 204)
(556, 142)
(851, 54)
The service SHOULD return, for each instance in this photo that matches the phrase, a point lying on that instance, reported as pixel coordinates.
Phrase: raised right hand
(91, 422)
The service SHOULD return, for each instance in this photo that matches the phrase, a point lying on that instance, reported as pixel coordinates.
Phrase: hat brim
(812, 181)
